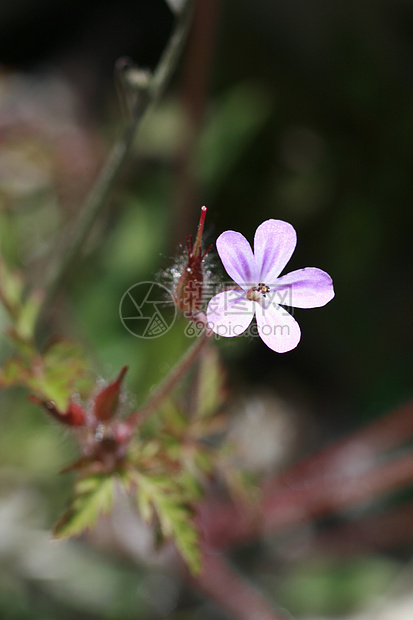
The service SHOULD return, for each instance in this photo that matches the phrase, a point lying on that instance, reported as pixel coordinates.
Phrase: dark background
(310, 116)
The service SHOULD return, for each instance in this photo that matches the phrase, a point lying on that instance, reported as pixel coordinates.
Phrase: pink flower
(262, 292)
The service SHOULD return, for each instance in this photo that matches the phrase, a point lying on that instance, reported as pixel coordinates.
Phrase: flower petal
(305, 288)
(229, 313)
(237, 258)
(274, 243)
(277, 328)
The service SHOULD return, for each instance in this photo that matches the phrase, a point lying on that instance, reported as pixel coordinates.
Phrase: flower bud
(107, 400)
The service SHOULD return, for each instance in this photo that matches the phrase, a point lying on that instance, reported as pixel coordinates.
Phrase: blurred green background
(308, 118)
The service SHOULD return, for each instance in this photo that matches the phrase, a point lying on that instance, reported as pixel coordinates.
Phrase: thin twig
(109, 174)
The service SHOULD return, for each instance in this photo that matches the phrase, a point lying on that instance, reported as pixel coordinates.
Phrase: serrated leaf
(192, 486)
(174, 417)
(55, 375)
(169, 501)
(176, 520)
(23, 309)
(93, 497)
(64, 370)
(144, 503)
(203, 461)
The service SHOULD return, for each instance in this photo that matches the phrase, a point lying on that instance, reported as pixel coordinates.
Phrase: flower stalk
(175, 375)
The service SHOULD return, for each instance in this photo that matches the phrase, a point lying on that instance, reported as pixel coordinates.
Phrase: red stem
(172, 379)
(294, 499)
(320, 497)
(340, 476)
(394, 428)
(232, 592)
(380, 531)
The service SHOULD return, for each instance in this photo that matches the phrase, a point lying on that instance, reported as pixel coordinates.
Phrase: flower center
(257, 292)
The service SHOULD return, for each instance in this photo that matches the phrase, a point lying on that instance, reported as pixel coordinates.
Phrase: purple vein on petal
(229, 313)
(274, 244)
(237, 258)
(307, 288)
(277, 328)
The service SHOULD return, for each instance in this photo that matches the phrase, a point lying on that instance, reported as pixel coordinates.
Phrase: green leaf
(173, 416)
(23, 309)
(93, 497)
(11, 286)
(192, 485)
(203, 461)
(64, 370)
(55, 375)
(176, 520)
(144, 498)
(15, 371)
(26, 319)
(165, 497)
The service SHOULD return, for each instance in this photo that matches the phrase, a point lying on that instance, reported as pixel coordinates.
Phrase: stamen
(256, 292)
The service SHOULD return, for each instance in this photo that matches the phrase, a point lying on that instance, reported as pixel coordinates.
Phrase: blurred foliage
(166, 467)
(310, 120)
(326, 586)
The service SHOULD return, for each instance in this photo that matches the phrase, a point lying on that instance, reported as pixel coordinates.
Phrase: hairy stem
(109, 174)
(174, 376)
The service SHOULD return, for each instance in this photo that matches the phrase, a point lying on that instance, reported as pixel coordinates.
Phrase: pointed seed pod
(188, 291)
